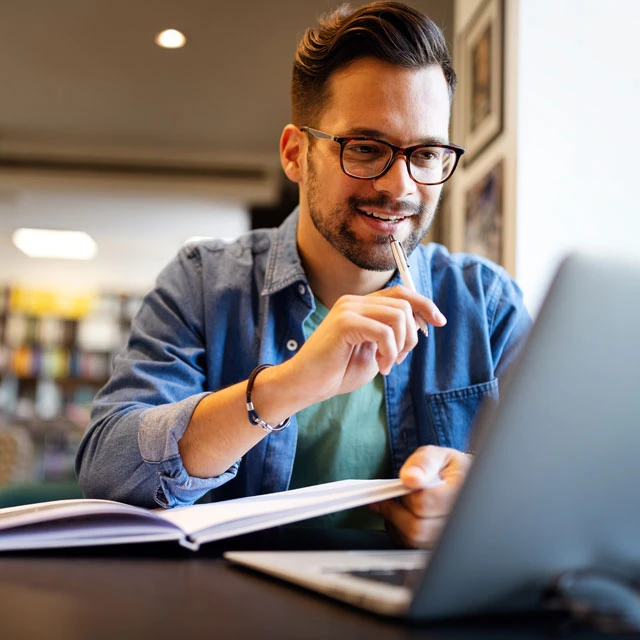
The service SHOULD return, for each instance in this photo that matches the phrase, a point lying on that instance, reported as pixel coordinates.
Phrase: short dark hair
(389, 31)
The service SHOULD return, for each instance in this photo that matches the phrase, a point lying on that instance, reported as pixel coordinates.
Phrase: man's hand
(360, 336)
(418, 518)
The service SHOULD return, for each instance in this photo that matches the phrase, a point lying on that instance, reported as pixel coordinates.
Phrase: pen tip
(391, 238)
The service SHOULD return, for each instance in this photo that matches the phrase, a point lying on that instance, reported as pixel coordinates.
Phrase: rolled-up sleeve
(158, 435)
(130, 451)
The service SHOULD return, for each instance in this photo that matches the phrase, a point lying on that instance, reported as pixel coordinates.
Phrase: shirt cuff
(160, 430)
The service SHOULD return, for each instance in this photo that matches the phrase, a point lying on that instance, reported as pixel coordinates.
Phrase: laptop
(555, 484)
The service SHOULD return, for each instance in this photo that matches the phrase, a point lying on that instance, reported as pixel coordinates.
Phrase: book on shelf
(89, 522)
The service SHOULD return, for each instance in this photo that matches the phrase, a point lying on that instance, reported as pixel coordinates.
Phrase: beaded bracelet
(254, 418)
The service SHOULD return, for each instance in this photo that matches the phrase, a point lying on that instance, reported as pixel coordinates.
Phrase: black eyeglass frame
(405, 152)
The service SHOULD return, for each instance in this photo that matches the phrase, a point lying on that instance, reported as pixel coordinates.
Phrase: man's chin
(375, 255)
(370, 263)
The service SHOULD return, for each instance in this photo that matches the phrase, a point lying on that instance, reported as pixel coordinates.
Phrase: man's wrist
(252, 414)
(277, 393)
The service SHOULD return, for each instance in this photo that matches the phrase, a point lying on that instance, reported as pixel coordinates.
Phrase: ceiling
(82, 80)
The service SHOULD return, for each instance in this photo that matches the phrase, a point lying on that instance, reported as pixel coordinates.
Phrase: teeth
(385, 218)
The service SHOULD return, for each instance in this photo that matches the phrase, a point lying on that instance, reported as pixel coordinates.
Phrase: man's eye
(427, 156)
(364, 150)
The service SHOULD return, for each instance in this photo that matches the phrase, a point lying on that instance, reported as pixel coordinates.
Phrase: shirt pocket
(453, 412)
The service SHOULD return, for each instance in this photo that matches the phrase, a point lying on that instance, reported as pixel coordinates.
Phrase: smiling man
(309, 321)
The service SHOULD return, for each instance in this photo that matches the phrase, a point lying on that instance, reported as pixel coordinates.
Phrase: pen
(403, 269)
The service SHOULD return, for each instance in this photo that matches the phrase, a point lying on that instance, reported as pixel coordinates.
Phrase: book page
(208, 522)
(61, 509)
(96, 522)
(80, 522)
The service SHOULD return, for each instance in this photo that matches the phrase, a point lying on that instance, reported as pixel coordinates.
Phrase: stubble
(336, 227)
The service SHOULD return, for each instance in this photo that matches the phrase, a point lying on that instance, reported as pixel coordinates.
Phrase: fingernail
(440, 318)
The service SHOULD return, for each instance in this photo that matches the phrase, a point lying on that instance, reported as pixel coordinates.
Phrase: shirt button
(302, 289)
(292, 345)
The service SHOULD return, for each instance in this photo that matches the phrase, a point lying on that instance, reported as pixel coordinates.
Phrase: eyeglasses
(367, 158)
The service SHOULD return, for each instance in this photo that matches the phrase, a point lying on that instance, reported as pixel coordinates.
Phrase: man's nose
(396, 181)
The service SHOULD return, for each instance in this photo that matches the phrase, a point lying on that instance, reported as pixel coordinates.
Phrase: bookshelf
(56, 351)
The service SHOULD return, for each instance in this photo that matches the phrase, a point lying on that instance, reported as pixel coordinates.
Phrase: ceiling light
(171, 39)
(48, 243)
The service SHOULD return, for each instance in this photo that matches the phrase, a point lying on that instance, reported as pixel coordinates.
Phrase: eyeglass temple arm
(318, 134)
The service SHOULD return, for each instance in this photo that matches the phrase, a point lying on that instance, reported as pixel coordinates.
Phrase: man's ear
(291, 152)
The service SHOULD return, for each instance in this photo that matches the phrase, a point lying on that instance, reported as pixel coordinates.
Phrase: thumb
(422, 468)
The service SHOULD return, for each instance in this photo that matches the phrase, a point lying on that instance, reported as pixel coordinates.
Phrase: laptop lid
(555, 481)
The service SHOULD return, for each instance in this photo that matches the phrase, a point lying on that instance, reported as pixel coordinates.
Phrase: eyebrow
(380, 135)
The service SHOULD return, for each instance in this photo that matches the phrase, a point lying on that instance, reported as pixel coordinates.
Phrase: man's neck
(331, 275)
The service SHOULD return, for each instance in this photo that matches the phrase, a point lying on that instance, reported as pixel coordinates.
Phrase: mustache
(394, 207)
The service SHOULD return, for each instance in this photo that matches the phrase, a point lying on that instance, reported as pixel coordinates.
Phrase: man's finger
(407, 529)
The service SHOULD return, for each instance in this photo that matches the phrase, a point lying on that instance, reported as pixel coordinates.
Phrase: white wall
(571, 136)
(578, 133)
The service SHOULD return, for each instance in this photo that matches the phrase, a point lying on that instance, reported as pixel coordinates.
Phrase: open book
(77, 523)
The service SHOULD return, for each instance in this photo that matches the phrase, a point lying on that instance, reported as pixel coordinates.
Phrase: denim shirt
(219, 309)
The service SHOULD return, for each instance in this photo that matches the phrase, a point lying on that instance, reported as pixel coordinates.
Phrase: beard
(335, 227)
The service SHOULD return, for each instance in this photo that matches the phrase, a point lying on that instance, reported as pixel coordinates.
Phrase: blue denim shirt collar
(283, 265)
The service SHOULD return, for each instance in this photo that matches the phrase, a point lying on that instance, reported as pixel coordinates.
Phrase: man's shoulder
(442, 263)
(472, 282)
(250, 243)
(247, 249)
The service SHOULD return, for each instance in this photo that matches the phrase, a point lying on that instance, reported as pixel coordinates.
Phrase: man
(320, 299)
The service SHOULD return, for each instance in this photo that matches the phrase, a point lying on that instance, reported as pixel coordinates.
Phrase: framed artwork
(484, 211)
(480, 73)
(438, 232)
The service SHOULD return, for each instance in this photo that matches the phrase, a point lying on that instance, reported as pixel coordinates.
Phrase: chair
(17, 461)
(16, 455)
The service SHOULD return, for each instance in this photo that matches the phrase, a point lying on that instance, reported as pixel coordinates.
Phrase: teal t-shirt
(341, 438)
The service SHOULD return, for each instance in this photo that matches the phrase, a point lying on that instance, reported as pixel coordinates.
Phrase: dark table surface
(165, 591)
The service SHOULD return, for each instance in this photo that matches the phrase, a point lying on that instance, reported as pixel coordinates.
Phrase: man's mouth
(382, 216)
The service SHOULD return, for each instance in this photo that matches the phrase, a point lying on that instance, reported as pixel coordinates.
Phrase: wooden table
(164, 591)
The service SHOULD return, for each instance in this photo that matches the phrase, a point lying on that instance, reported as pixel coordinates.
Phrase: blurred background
(141, 148)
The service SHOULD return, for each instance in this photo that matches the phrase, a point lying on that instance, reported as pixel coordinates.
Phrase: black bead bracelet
(254, 418)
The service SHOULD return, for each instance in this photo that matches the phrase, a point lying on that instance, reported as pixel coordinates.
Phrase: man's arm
(360, 336)
(153, 442)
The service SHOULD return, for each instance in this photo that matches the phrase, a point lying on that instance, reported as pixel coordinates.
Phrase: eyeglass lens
(370, 158)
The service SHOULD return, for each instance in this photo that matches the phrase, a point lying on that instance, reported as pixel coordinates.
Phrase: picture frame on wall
(439, 229)
(484, 216)
(480, 70)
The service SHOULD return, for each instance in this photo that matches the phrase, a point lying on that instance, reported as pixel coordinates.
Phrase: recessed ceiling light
(171, 39)
(49, 243)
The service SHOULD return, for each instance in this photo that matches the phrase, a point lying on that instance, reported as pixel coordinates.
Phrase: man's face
(401, 106)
